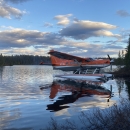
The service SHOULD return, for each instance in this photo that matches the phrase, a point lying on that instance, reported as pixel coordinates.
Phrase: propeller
(111, 62)
(109, 57)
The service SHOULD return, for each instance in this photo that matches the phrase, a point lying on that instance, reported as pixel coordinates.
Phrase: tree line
(23, 60)
(35, 60)
(124, 56)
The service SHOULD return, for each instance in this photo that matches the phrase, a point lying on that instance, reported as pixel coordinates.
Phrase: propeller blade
(111, 62)
(109, 57)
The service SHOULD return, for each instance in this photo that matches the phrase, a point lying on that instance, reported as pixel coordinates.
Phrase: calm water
(29, 97)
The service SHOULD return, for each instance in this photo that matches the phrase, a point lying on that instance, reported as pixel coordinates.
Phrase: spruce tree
(119, 59)
(1, 60)
(127, 55)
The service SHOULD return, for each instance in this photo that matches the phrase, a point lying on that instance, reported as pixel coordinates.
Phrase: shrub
(115, 118)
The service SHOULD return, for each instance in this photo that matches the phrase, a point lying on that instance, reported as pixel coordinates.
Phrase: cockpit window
(89, 59)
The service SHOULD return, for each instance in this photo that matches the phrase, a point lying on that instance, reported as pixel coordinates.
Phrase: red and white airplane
(66, 62)
(79, 66)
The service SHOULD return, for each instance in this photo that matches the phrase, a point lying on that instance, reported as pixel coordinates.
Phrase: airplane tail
(63, 59)
(58, 61)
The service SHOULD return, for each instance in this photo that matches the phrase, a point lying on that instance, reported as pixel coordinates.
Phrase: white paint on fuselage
(73, 68)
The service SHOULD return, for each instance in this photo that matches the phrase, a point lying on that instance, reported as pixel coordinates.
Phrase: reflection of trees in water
(128, 88)
(120, 85)
(1, 72)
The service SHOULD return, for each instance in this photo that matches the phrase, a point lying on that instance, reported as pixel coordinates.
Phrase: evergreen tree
(119, 58)
(122, 57)
(1, 60)
(127, 55)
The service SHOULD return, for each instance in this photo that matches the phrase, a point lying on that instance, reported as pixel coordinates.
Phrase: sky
(86, 28)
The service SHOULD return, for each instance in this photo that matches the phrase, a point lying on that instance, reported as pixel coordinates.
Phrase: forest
(23, 60)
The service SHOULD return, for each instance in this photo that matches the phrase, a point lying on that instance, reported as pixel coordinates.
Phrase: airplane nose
(112, 61)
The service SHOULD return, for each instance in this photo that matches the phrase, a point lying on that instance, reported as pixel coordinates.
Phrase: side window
(87, 60)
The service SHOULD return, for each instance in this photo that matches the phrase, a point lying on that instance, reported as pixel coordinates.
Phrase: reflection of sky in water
(23, 104)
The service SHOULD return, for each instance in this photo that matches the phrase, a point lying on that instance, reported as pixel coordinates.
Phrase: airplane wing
(65, 56)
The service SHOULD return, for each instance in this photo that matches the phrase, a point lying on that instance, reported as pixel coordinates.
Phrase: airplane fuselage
(66, 62)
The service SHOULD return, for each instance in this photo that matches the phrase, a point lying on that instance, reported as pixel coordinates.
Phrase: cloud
(16, 51)
(112, 46)
(16, 1)
(90, 50)
(123, 13)
(23, 38)
(48, 25)
(6, 27)
(7, 11)
(96, 41)
(24, 51)
(33, 41)
(82, 29)
(87, 49)
(125, 33)
(19, 37)
(63, 19)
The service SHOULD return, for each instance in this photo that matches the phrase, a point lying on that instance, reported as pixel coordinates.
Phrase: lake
(30, 96)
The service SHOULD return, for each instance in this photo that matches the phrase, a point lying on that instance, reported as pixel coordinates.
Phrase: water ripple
(29, 97)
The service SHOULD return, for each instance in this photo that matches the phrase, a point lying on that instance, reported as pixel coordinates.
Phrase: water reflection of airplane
(81, 67)
(77, 90)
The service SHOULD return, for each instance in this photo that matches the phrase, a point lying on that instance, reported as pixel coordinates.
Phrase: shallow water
(29, 97)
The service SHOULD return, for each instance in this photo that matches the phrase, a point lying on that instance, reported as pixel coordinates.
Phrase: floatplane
(82, 68)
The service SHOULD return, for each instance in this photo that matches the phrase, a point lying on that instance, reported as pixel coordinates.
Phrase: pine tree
(127, 55)
(119, 59)
(1, 60)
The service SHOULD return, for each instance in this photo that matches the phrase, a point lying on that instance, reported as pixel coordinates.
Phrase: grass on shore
(115, 118)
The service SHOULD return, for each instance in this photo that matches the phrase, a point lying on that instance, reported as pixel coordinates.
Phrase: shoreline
(122, 73)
